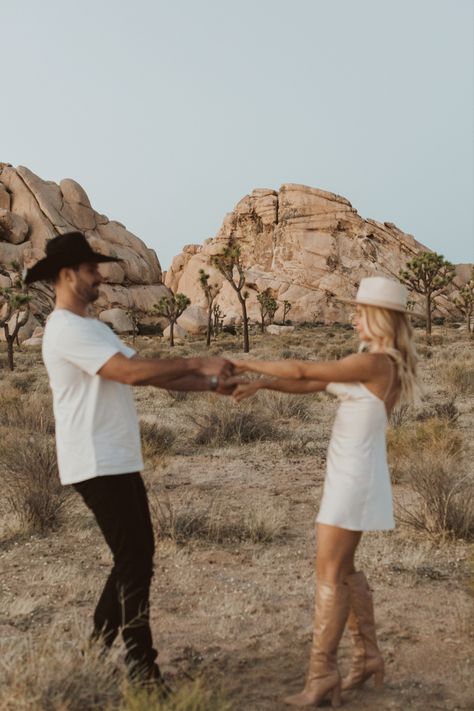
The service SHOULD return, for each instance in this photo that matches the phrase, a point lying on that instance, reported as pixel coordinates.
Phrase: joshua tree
(171, 307)
(217, 318)
(286, 309)
(428, 274)
(133, 314)
(464, 300)
(268, 307)
(210, 292)
(14, 309)
(229, 264)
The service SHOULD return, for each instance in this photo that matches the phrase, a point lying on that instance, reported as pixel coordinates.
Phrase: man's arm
(160, 373)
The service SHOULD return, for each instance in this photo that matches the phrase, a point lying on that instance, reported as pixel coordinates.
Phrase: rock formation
(33, 210)
(306, 245)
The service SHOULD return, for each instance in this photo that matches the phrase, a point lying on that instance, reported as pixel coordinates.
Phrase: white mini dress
(357, 490)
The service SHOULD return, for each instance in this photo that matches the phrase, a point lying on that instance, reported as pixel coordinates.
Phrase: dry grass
(459, 377)
(30, 480)
(156, 439)
(406, 442)
(33, 413)
(221, 423)
(444, 502)
(213, 523)
(58, 672)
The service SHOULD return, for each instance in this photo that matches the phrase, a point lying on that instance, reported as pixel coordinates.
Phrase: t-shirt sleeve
(86, 347)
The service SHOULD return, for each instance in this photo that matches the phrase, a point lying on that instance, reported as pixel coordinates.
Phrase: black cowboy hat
(67, 250)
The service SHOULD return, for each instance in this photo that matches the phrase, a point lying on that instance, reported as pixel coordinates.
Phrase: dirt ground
(236, 608)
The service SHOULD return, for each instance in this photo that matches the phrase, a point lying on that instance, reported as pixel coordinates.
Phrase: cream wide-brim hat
(382, 292)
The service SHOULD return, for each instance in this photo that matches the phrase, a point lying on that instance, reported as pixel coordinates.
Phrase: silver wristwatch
(213, 382)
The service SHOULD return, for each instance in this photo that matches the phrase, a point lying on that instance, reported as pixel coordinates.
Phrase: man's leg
(107, 614)
(119, 503)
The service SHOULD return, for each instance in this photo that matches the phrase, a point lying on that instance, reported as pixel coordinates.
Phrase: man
(98, 439)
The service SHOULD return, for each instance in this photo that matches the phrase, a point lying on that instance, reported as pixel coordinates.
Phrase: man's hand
(228, 386)
(216, 366)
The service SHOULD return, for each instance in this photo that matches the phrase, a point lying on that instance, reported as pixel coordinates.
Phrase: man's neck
(74, 305)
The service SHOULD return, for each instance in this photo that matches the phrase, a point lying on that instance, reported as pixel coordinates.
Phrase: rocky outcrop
(33, 210)
(306, 245)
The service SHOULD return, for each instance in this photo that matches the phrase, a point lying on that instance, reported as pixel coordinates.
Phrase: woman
(357, 492)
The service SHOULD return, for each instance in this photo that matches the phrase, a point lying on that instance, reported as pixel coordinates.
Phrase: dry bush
(31, 485)
(405, 443)
(50, 673)
(445, 495)
(34, 414)
(55, 672)
(221, 423)
(212, 524)
(445, 410)
(191, 697)
(156, 439)
(459, 377)
(285, 407)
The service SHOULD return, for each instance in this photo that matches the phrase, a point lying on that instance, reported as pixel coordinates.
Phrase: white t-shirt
(97, 430)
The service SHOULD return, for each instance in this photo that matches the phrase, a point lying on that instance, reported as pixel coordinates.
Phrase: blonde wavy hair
(391, 332)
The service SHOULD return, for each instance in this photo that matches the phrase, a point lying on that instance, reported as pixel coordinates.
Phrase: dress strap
(390, 382)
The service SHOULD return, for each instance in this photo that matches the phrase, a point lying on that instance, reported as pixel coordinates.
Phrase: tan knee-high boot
(331, 611)
(366, 658)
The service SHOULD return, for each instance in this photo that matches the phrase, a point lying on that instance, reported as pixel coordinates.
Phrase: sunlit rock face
(308, 246)
(32, 211)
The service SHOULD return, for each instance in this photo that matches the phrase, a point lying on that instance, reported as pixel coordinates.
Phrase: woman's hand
(245, 390)
(240, 366)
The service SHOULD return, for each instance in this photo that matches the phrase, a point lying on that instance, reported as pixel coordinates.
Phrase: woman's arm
(244, 390)
(360, 367)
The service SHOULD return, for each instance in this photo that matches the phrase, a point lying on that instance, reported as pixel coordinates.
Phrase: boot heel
(336, 696)
(378, 678)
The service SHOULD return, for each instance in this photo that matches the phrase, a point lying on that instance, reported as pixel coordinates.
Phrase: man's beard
(86, 293)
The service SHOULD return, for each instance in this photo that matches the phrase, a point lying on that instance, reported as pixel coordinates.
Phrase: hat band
(393, 305)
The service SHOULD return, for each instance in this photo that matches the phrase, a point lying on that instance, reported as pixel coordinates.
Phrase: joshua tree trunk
(171, 333)
(209, 326)
(10, 342)
(245, 323)
(428, 315)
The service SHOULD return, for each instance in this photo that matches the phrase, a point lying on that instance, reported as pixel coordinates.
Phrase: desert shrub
(283, 406)
(459, 377)
(446, 410)
(23, 382)
(55, 671)
(49, 673)
(220, 423)
(156, 439)
(34, 414)
(31, 486)
(212, 523)
(406, 443)
(445, 495)
(400, 415)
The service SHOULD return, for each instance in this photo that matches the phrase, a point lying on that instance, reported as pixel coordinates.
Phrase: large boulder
(307, 246)
(193, 319)
(118, 319)
(32, 211)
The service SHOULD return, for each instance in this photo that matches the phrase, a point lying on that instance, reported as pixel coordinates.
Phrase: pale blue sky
(168, 112)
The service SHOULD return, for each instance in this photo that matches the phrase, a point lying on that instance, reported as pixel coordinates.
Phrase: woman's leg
(335, 551)
(334, 562)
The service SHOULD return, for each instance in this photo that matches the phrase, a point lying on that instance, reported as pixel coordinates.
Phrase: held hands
(221, 367)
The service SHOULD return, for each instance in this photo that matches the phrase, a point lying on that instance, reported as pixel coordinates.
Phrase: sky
(168, 112)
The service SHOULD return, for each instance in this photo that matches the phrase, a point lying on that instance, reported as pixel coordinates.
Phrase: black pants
(120, 505)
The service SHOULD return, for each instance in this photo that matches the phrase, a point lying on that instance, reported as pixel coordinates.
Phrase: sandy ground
(239, 612)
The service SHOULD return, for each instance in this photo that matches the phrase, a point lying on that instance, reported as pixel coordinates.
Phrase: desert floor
(234, 490)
